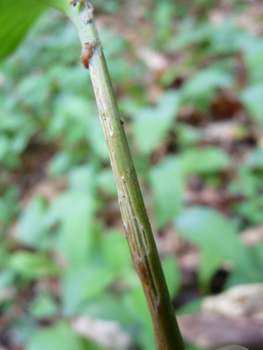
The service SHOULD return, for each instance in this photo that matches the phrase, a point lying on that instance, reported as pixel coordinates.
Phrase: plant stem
(138, 230)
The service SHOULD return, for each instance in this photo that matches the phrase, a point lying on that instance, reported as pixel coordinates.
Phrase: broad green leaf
(204, 160)
(82, 284)
(115, 249)
(210, 231)
(255, 273)
(106, 182)
(200, 89)
(255, 159)
(60, 163)
(246, 183)
(81, 179)
(9, 206)
(5, 144)
(33, 90)
(96, 138)
(7, 291)
(172, 275)
(30, 229)
(59, 337)
(257, 254)
(253, 101)
(188, 135)
(32, 265)
(152, 123)
(72, 117)
(208, 265)
(73, 211)
(43, 306)
(18, 16)
(190, 307)
(189, 34)
(254, 59)
(3, 253)
(216, 235)
(136, 305)
(75, 232)
(108, 307)
(167, 184)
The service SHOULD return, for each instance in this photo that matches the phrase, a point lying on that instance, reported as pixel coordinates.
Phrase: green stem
(138, 230)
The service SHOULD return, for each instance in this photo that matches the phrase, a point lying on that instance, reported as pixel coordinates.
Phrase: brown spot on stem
(142, 272)
(86, 53)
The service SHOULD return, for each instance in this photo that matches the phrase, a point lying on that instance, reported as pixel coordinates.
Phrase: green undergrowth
(70, 236)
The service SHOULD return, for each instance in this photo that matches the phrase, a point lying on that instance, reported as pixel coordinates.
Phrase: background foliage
(190, 87)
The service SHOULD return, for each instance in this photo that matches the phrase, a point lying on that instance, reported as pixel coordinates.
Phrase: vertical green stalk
(138, 230)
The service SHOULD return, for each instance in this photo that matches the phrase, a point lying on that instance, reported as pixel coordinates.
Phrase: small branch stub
(86, 53)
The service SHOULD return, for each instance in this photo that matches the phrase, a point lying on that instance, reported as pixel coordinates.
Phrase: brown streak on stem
(86, 54)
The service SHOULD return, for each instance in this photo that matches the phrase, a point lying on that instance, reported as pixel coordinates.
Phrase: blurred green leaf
(167, 184)
(152, 124)
(60, 163)
(97, 140)
(7, 290)
(216, 235)
(73, 212)
(3, 253)
(12, 13)
(43, 306)
(255, 159)
(254, 59)
(75, 238)
(172, 275)
(24, 328)
(84, 283)
(204, 160)
(16, 129)
(210, 231)
(136, 306)
(109, 307)
(9, 206)
(207, 270)
(34, 90)
(81, 179)
(31, 230)
(59, 337)
(190, 307)
(256, 253)
(200, 89)
(5, 144)
(210, 38)
(17, 17)
(106, 182)
(252, 99)
(32, 265)
(248, 183)
(115, 249)
(72, 117)
(187, 135)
